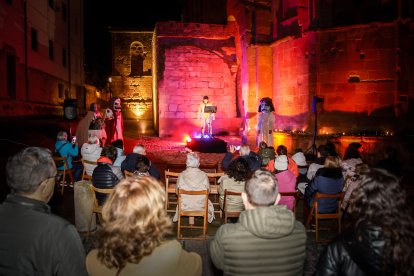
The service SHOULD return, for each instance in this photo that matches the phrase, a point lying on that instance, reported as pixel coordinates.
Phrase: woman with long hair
(382, 239)
(133, 240)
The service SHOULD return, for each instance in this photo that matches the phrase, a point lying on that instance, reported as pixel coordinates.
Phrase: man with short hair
(129, 164)
(32, 240)
(267, 239)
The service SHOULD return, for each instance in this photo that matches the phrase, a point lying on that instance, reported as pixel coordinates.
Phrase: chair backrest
(86, 176)
(170, 186)
(338, 196)
(229, 214)
(295, 195)
(62, 159)
(226, 194)
(214, 176)
(97, 208)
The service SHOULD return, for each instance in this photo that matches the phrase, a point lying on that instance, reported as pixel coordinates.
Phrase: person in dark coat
(33, 241)
(129, 164)
(252, 158)
(382, 237)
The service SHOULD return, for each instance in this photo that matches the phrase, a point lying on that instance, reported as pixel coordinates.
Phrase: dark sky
(100, 15)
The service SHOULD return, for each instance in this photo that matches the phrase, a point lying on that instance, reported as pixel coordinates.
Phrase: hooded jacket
(265, 241)
(358, 253)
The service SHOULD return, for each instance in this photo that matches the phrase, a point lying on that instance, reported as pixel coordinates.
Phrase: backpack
(56, 153)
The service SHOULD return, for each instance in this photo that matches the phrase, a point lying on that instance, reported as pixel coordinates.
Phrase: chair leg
(316, 228)
(63, 182)
(179, 227)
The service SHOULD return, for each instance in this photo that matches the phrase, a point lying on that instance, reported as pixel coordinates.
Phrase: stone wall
(195, 60)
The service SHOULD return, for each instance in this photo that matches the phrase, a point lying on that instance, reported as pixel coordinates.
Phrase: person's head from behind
(281, 150)
(135, 222)
(93, 139)
(281, 163)
(139, 149)
(244, 150)
(261, 190)
(193, 160)
(238, 169)
(142, 165)
(118, 144)
(380, 200)
(332, 162)
(352, 151)
(322, 151)
(330, 148)
(110, 152)
(31, 173)
(93, 107)
(262, 145)
(62, 136)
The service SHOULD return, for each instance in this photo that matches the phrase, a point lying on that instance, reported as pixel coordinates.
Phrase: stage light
(206, 136)
(188, 140)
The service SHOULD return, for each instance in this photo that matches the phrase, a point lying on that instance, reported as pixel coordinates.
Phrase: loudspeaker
(215, 145)
(70, 109)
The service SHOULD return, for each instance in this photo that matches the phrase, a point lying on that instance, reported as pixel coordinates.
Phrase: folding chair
(170, 188)
(86, 163)
(63, 173)
(200, 213)
(229, 214)
(97, 208)
(319, 216)
(295, 195)
(213, 178)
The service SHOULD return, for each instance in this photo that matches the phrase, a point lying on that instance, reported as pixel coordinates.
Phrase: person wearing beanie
(286, 180)
(301, 179)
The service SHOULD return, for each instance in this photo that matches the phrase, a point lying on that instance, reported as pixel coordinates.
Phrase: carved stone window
(138, 53)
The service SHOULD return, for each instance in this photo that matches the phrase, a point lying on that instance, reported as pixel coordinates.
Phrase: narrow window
(64, 57)
(11, 75)
(51, 51)
(34, 39)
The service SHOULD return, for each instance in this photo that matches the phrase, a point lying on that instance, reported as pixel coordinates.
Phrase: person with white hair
(194, 179)
(33, 240)
(254, 160)
(129, 164)
(91, 151)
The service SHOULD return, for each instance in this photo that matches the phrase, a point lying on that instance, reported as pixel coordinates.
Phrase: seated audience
(382, 237)
(130, 161)
(119, 145)
(390, 162)
(33, 241)
(292, 166)
(331, 149)
(252, 158)
(91, 151)
(286, 181)
(353, 183)
(318, 163)
(134, 238)
(267, 240)
(142, 166)
(300, 160)
(105, 175)
(234, 180)
(351, 159)
(266, 153)
(68, 150)
(328, 180)
(194, 179)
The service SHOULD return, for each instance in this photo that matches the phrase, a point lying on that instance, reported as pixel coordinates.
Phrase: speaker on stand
(70, 112)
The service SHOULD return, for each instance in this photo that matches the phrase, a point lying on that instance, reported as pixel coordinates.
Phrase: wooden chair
(319, 216)
(295, 195)
(202, 213)
(65, 172)
(96, 208)
(86, 176)
(213, 178)
(170, 188)
(229, 214)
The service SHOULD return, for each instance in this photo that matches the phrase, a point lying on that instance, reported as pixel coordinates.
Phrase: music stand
(210, 109)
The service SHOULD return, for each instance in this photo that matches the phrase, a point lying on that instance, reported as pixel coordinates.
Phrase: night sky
(99, 16)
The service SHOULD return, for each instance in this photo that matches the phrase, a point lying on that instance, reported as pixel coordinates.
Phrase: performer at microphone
(206, 116)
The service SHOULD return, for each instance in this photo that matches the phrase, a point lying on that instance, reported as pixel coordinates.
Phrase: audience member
(300, 160)
(130, 162)
(292, 166)
(68, 150)
(390, 162)
(327, 180)
(119, 145)
(353, 183)
(318, 163)
(33, 241)
(194, 179)
(266, 153)
(133, 240)
(252, 158)
(331, 149)
(381, 241)
(286, 181)
(83, 130)
(142, 166)
(91, 151)
(234, 180)
(105, 175)
(351, 159)
(267, 240)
